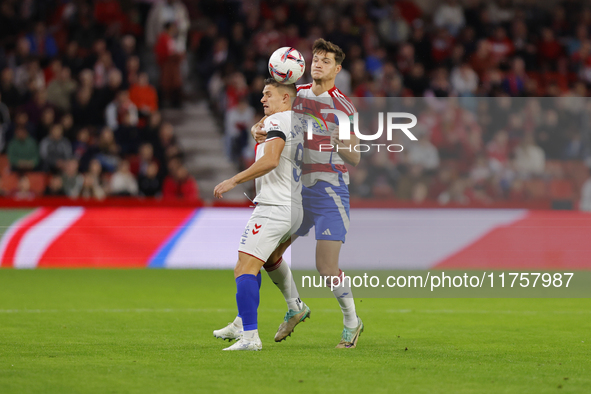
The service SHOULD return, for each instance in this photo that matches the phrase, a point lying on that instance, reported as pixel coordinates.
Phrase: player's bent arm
(262, 166)
(346, 149)
(257, 132)
(265, 164)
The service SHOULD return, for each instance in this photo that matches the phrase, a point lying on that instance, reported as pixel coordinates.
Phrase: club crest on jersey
(274, 125)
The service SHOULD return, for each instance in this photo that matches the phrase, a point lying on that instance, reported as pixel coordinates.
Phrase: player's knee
(325, 270)
(272, 260)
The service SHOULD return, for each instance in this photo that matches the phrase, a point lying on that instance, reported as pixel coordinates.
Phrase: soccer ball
(287, 65)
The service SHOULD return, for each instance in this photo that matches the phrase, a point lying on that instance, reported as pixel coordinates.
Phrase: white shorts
(268, 227)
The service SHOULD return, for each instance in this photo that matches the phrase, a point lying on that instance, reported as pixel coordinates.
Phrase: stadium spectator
(515, 81)
(67, 122)
(91, 185)
(450, 16)
(23, 190)
(180, 185)
(464, 80)
(132, 69)
(150, 132)
(44, 127)
(41, 43)
(524, 47)
(166, 140)
(108, 151)
(81, 144)
(9, 22)
(145, 158)
(55, 150)
(549, 135)
(85, 111)
(103, 66)
(72, 59)
(109, 93)
(498, 151)
(121, 109)
(144, 96)
(423, 153)
(10, 94)
(393, 28)
(35, 107)
(123, 183)
(55, 187)
(529, 158)
(72, 181)
(60, 89)
(169, 56)
(149, 184)
(417, 82)
(22, 151)
(549, 50)
(500, 11)
(500, 45)
(172, 12)
(237, 129)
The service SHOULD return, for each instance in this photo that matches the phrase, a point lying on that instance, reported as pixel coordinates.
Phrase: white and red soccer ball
(287, 65)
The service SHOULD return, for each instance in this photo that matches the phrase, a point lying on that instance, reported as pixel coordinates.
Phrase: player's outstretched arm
(262, 166)
(346, 150)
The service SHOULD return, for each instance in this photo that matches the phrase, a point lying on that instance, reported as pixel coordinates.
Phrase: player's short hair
(321, 45)
(289, 87)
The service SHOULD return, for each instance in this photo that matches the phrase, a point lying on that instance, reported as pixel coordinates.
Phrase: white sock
(281, 275)
(344, 296)
(250, 335)
(238, 322)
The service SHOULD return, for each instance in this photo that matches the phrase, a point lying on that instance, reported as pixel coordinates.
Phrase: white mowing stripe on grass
(36, 241)
(233, 310)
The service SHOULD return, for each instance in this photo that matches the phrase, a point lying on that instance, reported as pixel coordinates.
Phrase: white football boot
(230, 332)
(251, 342)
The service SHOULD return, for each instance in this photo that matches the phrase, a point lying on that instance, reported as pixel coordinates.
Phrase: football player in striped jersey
(325, 181)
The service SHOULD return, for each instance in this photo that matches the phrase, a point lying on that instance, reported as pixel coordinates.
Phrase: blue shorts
(326, 207)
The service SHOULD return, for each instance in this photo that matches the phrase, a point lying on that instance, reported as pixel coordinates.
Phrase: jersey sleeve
(275, 129)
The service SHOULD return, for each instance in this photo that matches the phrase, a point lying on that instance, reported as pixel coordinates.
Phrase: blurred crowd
(79, 116)
(478, 150)
(471, 48)
(78, 99)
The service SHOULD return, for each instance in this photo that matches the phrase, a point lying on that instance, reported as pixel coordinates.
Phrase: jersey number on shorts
(299, 157)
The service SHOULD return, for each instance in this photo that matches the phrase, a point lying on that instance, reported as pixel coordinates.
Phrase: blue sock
(260, 281)
(247, 298)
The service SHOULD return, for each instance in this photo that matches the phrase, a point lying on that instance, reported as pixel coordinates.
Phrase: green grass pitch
(150, 331)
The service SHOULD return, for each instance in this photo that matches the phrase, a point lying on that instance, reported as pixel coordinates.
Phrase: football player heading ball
(278, 212)
(325, 200)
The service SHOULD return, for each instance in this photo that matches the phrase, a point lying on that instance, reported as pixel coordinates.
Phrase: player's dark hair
(289, 87)
(321, 45)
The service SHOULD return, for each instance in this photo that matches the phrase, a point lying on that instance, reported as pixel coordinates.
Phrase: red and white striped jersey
(322, 165)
